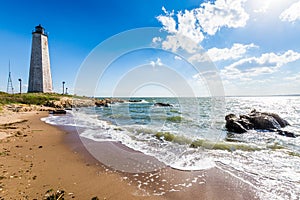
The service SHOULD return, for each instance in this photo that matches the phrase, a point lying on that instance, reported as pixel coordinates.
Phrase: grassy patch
(28, 98)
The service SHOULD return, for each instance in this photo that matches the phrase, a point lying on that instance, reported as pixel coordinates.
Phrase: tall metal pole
(63, 87)
(10, 88)
(20, 80)
(66, 90)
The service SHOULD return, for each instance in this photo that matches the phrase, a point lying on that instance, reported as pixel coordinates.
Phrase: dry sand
(36, 157)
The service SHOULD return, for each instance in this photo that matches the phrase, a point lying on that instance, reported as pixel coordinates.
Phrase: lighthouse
(39, 74)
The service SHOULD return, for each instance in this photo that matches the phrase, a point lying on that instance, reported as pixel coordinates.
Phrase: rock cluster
(258, 121)
(27, 108)
(68, 102)
(106, 102)
(53, 105)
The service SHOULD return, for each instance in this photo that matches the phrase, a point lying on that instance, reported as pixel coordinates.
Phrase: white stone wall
(39, 75)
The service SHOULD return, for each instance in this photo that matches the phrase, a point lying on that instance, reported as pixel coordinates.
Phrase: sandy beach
(37, 157)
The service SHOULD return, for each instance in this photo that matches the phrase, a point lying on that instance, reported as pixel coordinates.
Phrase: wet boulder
(283, 123)
(264, 122)
(257, 120)
(237, 125)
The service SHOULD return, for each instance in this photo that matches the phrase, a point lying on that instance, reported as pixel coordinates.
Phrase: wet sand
(38, 157)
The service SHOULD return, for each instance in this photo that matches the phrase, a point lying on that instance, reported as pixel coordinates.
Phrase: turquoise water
(272, 161)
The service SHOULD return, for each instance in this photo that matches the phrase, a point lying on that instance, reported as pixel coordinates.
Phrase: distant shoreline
(136, 97)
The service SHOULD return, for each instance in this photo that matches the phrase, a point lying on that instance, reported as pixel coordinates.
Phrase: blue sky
(254, 44)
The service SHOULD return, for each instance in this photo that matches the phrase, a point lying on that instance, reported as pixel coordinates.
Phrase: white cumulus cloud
(254, 66)
(156, 63)
(236, 51)
(156, 39)
(221, 13)
(205, 20)
(167, 20)
(262, 6)
(292, 13)
(177, 58)
(215, 54)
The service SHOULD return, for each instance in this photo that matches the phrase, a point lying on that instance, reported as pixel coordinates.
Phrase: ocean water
(267, 161)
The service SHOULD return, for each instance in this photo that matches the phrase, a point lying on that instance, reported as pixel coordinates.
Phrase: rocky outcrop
(69, 102)
(27, 108)
(106, 102)
(52, 105)
(234, 124)
(257, 120)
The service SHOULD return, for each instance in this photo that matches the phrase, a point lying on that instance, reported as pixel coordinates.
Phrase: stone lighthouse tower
(39, 75)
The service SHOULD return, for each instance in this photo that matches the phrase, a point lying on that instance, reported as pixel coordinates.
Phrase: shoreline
(53, 157)
(35, 159)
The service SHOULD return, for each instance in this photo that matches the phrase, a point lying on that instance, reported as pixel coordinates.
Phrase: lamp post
(63, 87)
(66, 90)
(20, 80)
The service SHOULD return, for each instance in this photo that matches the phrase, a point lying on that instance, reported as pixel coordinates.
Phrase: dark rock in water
(163, 104)
(106, 102)
(257, 120)
(233, 125)
(282, 122)
(58, 112)
(245, 122)
(264, 122)
(135, 100)
(101, 103)
(237, 125)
